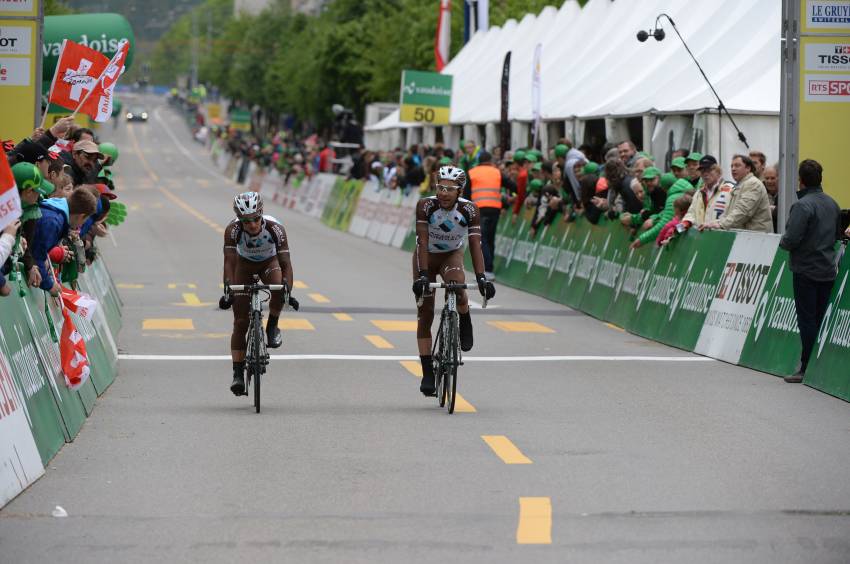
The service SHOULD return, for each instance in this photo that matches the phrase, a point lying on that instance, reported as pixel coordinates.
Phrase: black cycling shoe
(465, 332)
(274, 339)
(427, 386)
(238, 385)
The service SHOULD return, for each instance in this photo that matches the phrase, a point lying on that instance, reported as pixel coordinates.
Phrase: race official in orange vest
(485, 190)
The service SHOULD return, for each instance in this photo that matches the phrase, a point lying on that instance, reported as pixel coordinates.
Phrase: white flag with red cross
(85, 79)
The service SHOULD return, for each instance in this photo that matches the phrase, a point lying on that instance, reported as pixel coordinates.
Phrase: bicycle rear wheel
(256, 355)
(450, 359)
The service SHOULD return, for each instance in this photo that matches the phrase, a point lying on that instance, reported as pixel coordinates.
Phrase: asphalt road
(669, 458)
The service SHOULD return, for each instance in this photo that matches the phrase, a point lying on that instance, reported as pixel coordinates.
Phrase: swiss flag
(81, 304)
(77, 73)
(10, 202)
(72, 351)
(82, 70)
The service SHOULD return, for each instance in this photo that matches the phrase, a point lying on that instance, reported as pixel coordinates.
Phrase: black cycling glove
(293, 303)
(486, 287)
(420, 285)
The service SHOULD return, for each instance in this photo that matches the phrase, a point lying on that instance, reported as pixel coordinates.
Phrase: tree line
(300, 65)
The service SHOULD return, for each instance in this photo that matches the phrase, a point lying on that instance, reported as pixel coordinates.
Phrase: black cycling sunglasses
(247, 220)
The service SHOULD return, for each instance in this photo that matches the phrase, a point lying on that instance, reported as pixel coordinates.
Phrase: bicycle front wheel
(256, 355)
(451, 359)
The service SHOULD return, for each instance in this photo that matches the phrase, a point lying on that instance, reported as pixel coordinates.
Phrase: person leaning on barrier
(58, 216)
(710, 201)
(659, 221)
(7, 243)
(810, 234)
(749, 206)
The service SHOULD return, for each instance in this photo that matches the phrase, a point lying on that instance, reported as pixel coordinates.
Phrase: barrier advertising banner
(731, 314)
(20, 463)
(827, 370)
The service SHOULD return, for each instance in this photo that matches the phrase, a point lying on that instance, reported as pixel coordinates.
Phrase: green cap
(446, 161)
(537, 166)
(28, 177)
(646, 155)
(590, 168)
(519, 155)
(667, 180)
(650, 173)
(531, 157)
(536, 153)
(561, 150)
(678, 162)
(110, 150)
(535, 185)
(694, 156)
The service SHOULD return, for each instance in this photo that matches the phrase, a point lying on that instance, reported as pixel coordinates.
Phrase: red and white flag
(85, 79)
(106, 88)
(81, 304)
(10, 201)
(72, 351)
(443, 39)
(76, 75)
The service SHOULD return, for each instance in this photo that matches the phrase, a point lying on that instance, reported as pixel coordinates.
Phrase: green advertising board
(101, 32)
(773, 342)
(827, 370)
(426, 97)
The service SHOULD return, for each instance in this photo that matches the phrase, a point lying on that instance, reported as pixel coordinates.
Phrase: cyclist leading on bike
(254, 244)
(443, 223)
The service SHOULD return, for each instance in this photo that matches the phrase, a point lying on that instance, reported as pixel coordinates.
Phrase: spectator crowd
(65, 182)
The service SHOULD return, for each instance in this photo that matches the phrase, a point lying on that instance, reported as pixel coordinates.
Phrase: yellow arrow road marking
(319, 298)
(174, 285)
(299, 285)
(343, 317)
(535, 521)
(171, 324)
(505, 449)
(191, 300)
(394, 325)
(520, 327)
(123, 286)
(379, 342)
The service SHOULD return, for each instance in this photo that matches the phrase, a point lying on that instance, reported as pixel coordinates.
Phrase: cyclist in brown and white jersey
(443, 224)
(254, 244)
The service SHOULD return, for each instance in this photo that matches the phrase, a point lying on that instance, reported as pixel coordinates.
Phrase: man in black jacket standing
(810, 236)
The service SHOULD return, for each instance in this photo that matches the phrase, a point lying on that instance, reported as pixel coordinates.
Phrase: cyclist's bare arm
(422, 236)
(230, 256)
(283, 258)
(475, 238)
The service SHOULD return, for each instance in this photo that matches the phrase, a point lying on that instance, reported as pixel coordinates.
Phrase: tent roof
(593, 66)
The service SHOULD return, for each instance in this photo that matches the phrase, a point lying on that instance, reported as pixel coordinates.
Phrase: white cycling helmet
(248, 204)
(449, 172)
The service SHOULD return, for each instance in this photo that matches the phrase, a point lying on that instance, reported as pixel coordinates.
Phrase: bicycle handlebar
(451, 286)
(250, 287)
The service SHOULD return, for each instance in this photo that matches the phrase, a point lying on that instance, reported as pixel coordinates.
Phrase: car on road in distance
(137, 114)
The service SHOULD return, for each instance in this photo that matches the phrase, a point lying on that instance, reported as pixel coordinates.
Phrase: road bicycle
(257, 355)
(446, 353)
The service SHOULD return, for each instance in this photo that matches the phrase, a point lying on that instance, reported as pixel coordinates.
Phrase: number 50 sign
(426, 97)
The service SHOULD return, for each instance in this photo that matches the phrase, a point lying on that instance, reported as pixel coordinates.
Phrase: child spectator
(58, 216)
(680, 208)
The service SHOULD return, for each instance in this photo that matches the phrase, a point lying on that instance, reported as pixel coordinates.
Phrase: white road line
(368, 357)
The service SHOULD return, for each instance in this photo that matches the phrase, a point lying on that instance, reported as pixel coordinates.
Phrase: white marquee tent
(593, 68)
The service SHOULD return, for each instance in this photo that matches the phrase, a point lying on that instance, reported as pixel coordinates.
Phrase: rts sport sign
(426, 97)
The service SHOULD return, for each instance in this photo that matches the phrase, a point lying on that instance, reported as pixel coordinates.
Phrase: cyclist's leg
(272, 274)
(452, 271)
(241, 310)
(424, 321)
